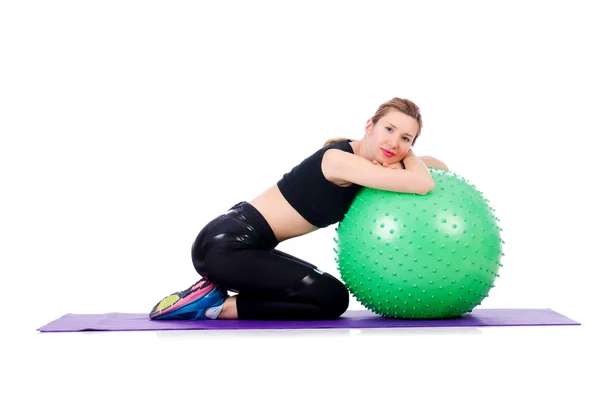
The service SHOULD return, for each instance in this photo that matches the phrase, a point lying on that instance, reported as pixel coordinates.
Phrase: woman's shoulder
(346, 145)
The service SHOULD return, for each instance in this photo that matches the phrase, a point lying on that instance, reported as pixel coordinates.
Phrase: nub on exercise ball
(412, 256)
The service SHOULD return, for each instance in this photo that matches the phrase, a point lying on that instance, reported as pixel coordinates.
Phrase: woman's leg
(273, 284)
(236, 252)
(229, 311)
(197, 301)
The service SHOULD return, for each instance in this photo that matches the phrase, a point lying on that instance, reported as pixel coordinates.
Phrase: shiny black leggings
(236, 251)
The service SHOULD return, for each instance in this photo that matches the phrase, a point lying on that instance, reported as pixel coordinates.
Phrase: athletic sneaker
(190, 304)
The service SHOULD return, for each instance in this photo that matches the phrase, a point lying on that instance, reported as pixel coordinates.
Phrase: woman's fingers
(384, 164)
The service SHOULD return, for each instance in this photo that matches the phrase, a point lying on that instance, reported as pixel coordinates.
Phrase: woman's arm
(432, 162)
(429, 161)
(340, 165)
(414, 164)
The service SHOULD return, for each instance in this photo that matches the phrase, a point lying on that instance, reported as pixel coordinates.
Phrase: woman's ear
(369, 127)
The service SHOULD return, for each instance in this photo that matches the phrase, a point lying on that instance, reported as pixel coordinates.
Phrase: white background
(128, 125)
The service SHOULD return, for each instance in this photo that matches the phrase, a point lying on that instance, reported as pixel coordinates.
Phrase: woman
(236, 250)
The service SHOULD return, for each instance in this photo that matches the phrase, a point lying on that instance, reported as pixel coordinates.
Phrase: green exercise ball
(404, 255)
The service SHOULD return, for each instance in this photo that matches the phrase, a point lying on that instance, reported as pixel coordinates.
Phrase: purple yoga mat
(350, 319)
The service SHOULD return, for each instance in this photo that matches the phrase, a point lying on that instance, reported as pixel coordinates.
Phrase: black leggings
(236, 251)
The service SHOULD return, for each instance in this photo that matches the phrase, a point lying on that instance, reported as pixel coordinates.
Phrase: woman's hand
(395, 166)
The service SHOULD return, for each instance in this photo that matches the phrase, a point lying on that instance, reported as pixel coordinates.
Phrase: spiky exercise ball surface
(404, 255)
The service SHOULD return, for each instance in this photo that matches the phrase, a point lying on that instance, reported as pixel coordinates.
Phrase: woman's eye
(388, 128)
(407, 139)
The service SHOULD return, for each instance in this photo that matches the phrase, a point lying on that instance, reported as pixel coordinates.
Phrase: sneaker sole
(174, 301)
(192, 306)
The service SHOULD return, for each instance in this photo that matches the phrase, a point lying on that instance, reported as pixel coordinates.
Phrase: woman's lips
(387, 153)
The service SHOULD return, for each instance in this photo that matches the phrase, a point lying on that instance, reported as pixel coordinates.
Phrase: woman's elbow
(427, 187)
(432, 162)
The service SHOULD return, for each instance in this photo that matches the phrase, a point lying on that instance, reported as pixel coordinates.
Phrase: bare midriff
(284, 220)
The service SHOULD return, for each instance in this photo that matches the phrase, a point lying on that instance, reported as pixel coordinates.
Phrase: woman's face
(393, 133)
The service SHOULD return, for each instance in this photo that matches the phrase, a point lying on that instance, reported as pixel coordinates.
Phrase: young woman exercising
(236, 250)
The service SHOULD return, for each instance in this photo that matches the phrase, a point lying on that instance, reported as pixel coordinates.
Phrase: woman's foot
(190, 304)
(229, 310)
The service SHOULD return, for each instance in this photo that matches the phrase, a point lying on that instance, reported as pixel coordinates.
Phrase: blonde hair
(402, 105)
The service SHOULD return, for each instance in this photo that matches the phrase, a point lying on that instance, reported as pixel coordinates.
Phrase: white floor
(486, 361)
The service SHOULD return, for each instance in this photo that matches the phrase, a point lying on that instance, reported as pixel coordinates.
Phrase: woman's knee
(332, 296)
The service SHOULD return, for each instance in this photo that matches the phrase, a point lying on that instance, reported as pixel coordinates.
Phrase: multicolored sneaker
(189, 304)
